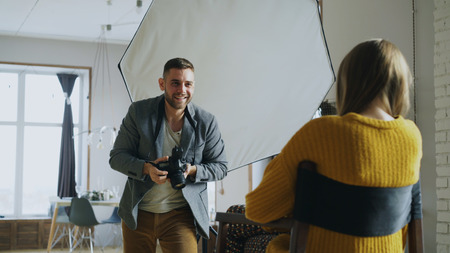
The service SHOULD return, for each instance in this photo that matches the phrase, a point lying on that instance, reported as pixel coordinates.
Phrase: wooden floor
(96, 249)
(66, 250)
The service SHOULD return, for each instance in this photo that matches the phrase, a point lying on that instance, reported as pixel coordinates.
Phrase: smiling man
(169, 148)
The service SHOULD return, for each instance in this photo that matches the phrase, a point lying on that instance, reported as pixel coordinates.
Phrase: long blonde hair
(374, 68)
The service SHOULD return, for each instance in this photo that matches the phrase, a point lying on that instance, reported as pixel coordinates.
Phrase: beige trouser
(175, 231)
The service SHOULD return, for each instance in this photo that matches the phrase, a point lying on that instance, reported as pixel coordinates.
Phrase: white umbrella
(262, 66)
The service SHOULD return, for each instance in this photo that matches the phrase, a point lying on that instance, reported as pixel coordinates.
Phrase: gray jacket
(140, 138)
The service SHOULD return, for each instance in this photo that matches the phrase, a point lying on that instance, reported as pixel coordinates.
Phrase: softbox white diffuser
(261, 66)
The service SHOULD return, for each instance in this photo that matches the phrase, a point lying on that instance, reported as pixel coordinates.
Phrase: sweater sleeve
(275, 195)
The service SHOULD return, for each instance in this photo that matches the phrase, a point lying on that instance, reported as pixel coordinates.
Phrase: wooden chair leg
(415, 240)
(221, 237)
(299, 237)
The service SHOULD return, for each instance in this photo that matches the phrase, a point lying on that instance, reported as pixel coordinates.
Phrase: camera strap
(194, 125)
(152, 163)
(160, 117)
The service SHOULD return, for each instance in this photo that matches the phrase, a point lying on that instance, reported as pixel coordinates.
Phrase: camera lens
(177, 180)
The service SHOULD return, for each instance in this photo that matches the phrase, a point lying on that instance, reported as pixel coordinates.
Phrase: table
(67, 202)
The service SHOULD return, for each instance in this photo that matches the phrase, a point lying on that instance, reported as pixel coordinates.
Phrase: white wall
(425, 117)
(258, 171)
(232, 189)
(442, 117)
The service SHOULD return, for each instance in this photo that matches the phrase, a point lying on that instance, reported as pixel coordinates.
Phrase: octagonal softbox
(261, 66)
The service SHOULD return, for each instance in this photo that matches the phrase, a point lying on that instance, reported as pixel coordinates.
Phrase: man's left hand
(191, 170)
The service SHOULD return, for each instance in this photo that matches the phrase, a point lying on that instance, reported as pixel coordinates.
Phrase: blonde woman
(369, 143)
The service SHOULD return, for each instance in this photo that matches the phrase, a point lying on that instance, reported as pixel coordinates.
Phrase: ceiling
(80, 20)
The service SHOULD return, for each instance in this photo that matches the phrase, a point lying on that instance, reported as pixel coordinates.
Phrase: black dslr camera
(175, 167)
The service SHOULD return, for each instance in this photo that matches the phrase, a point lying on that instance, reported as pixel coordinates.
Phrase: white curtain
(261, 66)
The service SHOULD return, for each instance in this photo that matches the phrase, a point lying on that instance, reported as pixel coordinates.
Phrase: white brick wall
(442, 117)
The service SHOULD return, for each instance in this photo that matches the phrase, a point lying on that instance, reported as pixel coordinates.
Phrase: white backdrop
(261, 66)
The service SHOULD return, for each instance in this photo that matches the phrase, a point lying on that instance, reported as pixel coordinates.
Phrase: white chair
(116, 222)
(62, 231)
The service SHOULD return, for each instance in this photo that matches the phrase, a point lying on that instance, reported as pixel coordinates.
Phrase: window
(32, 103)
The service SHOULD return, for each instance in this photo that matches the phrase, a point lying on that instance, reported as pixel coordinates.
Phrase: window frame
(84, 124)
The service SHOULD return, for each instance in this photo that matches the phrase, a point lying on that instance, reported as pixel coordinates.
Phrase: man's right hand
(157, 176)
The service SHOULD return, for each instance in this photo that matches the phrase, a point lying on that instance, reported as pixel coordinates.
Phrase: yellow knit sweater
(351, 149)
